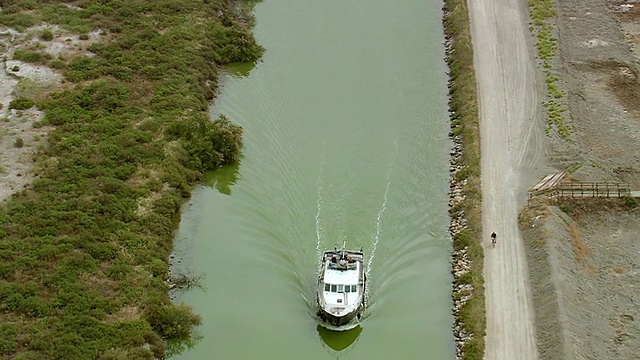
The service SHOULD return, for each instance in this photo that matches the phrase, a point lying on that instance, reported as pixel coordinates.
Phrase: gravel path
(511, 147)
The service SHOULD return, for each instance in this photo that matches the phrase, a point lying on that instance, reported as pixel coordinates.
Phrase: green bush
(172, 321)
(119, 271)
(58, 64)
(18, 143)
(159, 268)
(21, 104)
(32, 56)
(630, 202)
(46, 35)
(20, 21)
(8, 337)
(102, 251)
(83, 68)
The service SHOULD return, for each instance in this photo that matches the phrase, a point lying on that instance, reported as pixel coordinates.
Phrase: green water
(346, 125)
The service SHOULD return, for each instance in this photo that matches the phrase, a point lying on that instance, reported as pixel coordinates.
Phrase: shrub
(32, 306)
(159, 268)
(21, 104)
(8, 337)
(102, 251)
(630, 202)
(119, 271)
(171, 321)
(83, 68)
(31, 56)
(58, 64)
(18, 143)
(46, 35)
(18, 21)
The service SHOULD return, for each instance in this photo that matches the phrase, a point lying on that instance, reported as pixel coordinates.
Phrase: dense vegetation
(84, 249)
(464, 104)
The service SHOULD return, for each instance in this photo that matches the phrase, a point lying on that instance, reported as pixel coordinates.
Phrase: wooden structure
(549, 182)
(553, 185)
(592, 189)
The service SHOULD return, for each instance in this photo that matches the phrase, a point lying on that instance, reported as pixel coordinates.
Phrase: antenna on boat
(344, 244)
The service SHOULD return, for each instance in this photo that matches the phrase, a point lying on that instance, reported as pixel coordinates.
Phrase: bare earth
(18, 79)
(565, 287)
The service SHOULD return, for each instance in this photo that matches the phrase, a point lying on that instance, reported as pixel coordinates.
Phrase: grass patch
(35, 57)
(76, 255)
(30, 89)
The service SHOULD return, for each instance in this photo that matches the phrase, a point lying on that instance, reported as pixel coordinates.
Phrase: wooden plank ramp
(548, 182)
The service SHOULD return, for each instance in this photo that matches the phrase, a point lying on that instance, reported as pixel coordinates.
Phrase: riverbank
(465, 189)
(113, 144)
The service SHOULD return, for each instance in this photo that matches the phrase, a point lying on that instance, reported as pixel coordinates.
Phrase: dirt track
(512, 144)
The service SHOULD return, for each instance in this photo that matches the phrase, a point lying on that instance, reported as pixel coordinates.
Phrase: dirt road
(511, 147)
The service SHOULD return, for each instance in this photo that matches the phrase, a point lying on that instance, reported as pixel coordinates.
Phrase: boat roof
(345, 277)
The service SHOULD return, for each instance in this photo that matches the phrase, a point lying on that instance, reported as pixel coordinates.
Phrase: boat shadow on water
(340, 342)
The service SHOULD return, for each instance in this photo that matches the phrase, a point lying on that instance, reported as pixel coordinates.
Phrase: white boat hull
(341, 287)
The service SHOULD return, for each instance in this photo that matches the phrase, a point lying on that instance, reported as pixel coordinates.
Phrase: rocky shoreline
(460, 261)
(462, 288)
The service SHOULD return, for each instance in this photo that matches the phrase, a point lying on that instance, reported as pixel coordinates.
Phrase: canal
(345, 127)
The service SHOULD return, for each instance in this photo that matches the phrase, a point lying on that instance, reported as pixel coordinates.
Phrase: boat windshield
(340, 288)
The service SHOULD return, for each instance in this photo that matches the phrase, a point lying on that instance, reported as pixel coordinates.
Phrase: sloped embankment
(584, 275)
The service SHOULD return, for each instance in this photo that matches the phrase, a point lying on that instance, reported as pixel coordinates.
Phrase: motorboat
(341, 286)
